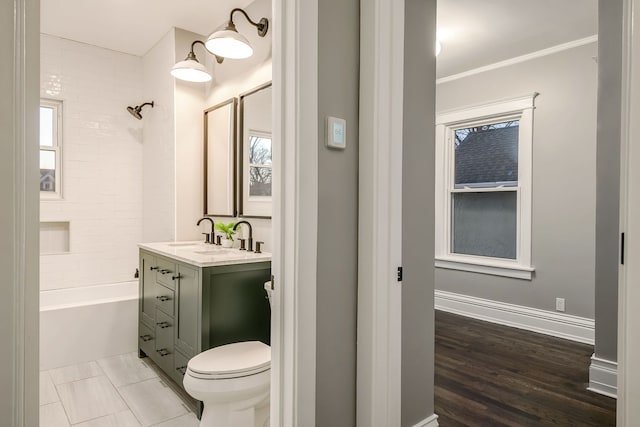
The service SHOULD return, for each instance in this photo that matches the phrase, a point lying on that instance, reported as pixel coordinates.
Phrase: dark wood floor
(493, 375)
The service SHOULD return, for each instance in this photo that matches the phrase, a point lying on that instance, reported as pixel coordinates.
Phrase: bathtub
(87, 323)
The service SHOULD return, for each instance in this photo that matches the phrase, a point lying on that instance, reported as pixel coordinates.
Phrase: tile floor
(120, 391)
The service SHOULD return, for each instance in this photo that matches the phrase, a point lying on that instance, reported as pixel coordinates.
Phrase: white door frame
(380, 213)
(629, 282)
(295, 223)
(19, 214)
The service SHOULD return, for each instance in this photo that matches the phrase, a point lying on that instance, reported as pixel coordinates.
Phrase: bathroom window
(50, 149)
(483, 188)
(260, 166)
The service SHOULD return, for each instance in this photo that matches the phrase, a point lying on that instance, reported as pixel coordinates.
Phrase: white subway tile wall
(101, 162)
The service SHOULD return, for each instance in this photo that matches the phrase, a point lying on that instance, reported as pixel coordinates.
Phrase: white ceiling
(473, 33)
(131, 26)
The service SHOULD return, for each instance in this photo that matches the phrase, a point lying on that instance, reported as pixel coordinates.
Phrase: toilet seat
(231, 361)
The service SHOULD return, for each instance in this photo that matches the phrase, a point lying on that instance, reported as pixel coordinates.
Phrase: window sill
(495, 268)
(51, 197)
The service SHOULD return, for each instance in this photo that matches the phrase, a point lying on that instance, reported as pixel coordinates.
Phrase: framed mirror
(220, 124)
(255, 153)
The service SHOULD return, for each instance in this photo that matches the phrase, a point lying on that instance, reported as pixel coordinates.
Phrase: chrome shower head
(135, 111)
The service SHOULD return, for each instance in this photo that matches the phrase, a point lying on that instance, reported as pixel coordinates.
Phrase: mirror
(219, 159)
(255, 153)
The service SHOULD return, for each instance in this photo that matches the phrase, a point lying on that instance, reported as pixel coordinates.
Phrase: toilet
(233, 382)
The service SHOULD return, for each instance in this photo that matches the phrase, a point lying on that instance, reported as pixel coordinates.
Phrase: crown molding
(519, 59)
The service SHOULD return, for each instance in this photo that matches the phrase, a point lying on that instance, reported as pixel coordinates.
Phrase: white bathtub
(87, 323)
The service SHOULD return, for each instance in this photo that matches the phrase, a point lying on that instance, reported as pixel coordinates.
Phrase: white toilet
(233, 382)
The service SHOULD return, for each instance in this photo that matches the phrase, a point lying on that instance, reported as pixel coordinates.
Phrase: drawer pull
(182, 370)
(163, 298)
(154, 268)
(179, 276)
(146, 338)
(163, 271)
(163, 352)
(163, 325)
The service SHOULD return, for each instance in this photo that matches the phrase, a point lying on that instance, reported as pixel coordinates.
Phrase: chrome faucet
(209, 237)
(250, 239)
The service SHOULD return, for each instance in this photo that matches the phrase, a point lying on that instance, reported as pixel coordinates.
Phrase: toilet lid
(238, 359)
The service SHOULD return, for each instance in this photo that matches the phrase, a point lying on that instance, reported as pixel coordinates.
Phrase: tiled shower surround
(101, 163)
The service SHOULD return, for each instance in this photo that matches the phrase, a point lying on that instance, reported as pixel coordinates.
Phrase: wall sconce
(229, 43)
(191, 69)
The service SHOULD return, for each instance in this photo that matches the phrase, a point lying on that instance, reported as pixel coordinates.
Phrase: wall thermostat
(336, 135)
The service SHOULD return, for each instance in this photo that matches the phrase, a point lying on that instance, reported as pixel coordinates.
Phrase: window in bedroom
(483, 188)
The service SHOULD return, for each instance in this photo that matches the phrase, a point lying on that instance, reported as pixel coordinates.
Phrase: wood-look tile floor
(120, 391)
(494, 375)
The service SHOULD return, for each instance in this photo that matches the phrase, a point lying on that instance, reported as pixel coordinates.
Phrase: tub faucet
(209, 238)
(250, 239)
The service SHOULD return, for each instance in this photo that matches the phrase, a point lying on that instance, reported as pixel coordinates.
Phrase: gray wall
(19, 211)
(564, 179)
(608, 177)
(337, 269)
(418, 211)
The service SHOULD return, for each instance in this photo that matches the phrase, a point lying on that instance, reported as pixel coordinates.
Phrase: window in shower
(50, 149)
(483, 188)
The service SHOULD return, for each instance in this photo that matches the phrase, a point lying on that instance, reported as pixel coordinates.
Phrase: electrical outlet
(560, 304)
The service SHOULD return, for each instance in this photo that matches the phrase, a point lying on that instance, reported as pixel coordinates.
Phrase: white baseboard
(560, 325)
(603, 377)
(431, 421)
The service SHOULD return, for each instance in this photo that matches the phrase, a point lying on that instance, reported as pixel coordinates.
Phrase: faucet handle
(258, 247)
(218, 240)
(207, 238)
(242, 244)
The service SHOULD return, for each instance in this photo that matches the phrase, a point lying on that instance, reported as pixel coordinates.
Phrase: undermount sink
(181, 244)
(215, 252)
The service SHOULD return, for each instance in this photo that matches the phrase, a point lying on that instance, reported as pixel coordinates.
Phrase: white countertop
(204, 255)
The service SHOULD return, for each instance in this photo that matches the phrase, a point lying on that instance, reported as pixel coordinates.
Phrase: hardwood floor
(493, 375)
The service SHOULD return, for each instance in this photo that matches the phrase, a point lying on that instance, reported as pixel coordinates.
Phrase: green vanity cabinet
(185, 309)
(148, 285)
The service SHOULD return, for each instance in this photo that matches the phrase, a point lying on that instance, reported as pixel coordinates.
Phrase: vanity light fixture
(229, 43)
(191, 69)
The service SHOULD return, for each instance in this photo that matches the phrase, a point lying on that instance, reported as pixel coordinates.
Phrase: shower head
(135, 111)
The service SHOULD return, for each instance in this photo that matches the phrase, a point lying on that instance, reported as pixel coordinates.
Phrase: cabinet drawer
(180, 367)
(166, 272)
(165, 300)
(146, 339)
(164, 340)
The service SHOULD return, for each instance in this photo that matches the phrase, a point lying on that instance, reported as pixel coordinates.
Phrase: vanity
(195, 296)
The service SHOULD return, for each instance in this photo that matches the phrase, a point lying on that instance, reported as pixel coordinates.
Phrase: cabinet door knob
(153, 268)
(176, 277)
(182, 369)
(146, 338)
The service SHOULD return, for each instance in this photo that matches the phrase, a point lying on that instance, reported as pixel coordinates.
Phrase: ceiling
(131, 26)
(473, 33)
